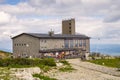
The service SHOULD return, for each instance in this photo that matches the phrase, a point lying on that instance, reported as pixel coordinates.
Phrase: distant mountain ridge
(5, 50)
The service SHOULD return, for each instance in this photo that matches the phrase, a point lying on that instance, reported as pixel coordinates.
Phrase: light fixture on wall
(27, 45)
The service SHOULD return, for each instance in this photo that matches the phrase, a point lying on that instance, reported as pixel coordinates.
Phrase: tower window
(70, 27)
(69, 23)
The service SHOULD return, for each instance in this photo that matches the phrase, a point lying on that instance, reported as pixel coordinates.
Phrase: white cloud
(19, 9)
(113, 16)
(63, 7)
(4, 17)
(95, 18)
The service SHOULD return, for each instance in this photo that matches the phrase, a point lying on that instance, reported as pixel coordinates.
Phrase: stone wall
(26, 45)
(51, 44)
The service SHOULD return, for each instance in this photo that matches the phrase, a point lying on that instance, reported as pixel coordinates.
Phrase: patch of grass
(66, 69)
(23, 62)
(49, 62)
(4, 54)
(45, 68)
(4, 74)
(44, 64)
(42, 77)
(115, 63)
(64, 62)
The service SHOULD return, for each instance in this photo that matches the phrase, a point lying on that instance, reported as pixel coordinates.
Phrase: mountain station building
(65, 45)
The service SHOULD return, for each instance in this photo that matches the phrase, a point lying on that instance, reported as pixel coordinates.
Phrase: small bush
(43, 77)
(49, 62)
(66, 69)
(23, 62)
(45, 68)
(64, 62)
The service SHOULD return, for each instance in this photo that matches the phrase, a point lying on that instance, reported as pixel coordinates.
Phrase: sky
(99, 19)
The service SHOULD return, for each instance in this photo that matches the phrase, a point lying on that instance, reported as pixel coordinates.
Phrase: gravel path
(88, 65)
(86, 72)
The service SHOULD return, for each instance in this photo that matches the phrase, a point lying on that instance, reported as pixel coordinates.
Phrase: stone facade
(35, 44)
(68, 26)
(26, 45)
(51, 44)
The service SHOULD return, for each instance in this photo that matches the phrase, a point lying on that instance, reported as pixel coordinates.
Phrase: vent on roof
(51, 33)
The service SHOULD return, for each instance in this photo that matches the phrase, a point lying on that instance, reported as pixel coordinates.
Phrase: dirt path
(99, 68)
(82, 73)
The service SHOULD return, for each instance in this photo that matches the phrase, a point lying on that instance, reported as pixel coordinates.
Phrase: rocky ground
(24, 73)
(85, 71)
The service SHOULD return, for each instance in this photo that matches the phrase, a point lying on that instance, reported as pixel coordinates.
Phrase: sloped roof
(55, 36)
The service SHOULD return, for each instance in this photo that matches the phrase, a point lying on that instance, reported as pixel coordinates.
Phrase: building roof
(54, 36)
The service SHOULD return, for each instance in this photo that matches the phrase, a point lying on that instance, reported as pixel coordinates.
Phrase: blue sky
(94, 18)
(11, 2)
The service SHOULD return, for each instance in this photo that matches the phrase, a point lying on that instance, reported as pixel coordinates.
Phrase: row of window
(71, 43)
(43, 47)
(21, 44)
(43, 41)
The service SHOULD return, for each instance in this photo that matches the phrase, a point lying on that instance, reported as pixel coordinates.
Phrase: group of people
(64, 55)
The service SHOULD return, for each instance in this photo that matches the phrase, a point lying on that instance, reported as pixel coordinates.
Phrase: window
(66, 43)
(45, 41)
(69, 27)
(76, 43)
(71, 44)
(69, 23)
(45, 47)
(80, 43)
(84, 43)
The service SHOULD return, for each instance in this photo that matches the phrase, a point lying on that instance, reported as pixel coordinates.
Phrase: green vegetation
(4, 73)
(23, 62)
(45, 68)
(4, 54)
(115, 63)
(43, 77)
(64, 62)
(45, 64)
(66, 69)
